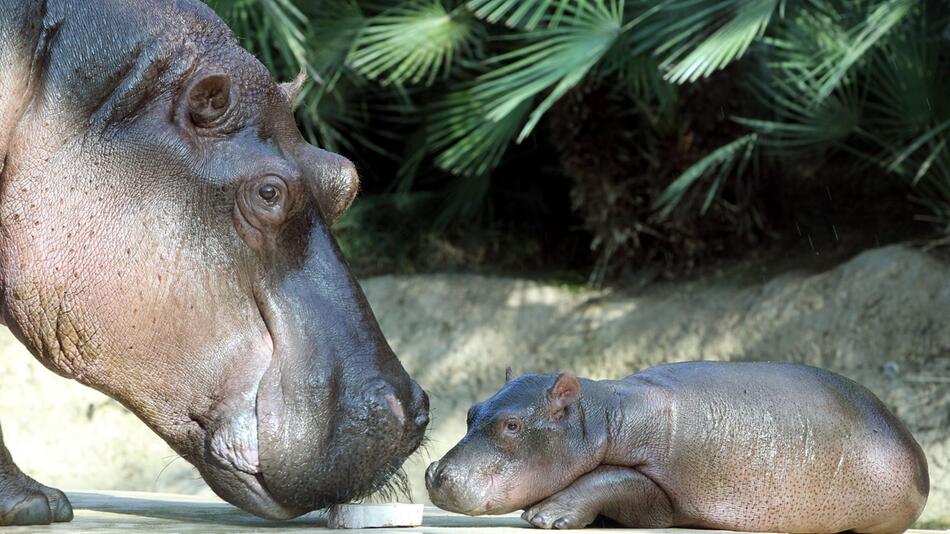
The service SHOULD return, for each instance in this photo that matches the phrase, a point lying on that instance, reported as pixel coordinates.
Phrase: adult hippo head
(164, 238)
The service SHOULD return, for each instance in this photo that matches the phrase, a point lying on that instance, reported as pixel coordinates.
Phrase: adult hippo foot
(562, 511)
(23, 501)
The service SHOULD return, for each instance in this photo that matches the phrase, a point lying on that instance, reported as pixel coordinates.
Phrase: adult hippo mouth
(165, 238)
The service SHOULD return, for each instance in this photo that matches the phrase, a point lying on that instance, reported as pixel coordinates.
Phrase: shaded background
(601, 186)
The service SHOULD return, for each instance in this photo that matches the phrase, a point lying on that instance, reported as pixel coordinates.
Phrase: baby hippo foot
(561, 511)
(23, 501)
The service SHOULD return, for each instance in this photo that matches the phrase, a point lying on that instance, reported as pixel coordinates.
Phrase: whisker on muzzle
(395, 485)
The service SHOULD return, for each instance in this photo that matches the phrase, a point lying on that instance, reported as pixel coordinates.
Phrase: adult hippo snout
(335, 412)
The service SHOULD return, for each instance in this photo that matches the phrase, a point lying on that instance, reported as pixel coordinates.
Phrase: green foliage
(413, 43)
(728, 160)
(446, 89)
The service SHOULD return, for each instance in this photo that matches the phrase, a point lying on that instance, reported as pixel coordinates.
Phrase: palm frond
(698, 37)
(334, 30)
(524, 14)
(274, 30)
(728, 160)
(553, 60)
(723, 46)
(823, 43)
(416, 42)
(800, 123)
(466, 140)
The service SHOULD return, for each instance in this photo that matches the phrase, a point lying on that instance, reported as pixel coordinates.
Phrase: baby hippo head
(524, 444)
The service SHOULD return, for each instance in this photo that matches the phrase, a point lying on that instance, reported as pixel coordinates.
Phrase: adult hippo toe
(164, 239)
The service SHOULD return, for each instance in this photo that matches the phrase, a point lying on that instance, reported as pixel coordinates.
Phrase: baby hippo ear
(565, 392)
(209, 99)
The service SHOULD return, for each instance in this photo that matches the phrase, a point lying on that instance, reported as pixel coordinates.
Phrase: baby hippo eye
(513, 426)
(269, 193)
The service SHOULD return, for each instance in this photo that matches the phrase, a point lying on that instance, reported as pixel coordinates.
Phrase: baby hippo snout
(433, 476)
(440, 483)
(453, 489)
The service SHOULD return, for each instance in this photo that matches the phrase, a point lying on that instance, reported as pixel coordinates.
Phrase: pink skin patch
(236, 443)
(395, 407)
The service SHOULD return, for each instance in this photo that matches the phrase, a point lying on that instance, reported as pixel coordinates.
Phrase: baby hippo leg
(619, 493)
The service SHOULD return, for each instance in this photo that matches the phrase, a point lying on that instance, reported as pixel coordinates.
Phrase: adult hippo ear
(291, 90)
(565, 392)
(209, 99)
(337, 181)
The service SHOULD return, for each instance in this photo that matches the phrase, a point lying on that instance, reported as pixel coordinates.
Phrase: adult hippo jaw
(164, 238)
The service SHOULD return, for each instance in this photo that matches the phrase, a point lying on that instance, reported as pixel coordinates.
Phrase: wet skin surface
(165, 238)
(766, 447)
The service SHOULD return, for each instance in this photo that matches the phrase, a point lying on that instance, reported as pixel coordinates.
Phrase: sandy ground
(880, 319)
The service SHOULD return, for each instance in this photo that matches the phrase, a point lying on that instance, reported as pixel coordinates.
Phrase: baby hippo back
(783, 447)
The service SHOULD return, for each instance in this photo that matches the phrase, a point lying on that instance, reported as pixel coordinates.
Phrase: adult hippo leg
(24, 501)
(619, 493)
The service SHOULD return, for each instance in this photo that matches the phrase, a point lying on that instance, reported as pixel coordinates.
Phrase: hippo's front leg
(619, 493)
(24, 501)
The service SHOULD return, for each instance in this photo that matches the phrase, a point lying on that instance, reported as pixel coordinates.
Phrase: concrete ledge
(103, 511)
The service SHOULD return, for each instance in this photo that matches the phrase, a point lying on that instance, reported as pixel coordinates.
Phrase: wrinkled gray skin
(769, 447)
(164, 238)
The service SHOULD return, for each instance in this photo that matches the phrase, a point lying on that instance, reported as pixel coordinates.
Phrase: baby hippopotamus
(769, 447)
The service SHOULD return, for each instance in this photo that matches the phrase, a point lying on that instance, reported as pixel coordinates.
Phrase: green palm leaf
(334, 31)
(728, 160)
(800, 123)
(467, 141)
(413, 43)
(824, 42)
(723, 46)
(525, 14)
(273, 30)
(695, 38)
(553, 60)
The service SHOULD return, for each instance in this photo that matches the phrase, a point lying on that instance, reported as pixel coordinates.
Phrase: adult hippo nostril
(420, 406)
(382, 396)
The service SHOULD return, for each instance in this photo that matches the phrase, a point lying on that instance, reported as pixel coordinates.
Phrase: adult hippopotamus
(769, 447)
(164, 238)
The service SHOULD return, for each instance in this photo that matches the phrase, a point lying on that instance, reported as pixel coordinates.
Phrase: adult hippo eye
(263, 204)
(269, 193)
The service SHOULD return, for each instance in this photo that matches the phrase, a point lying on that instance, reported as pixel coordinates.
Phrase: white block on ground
(375, 515)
